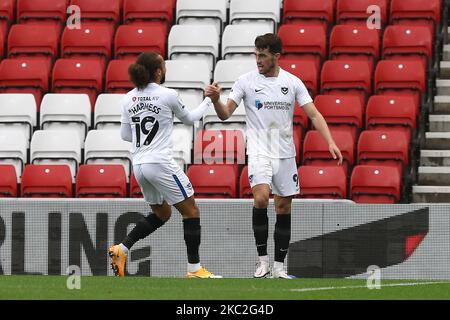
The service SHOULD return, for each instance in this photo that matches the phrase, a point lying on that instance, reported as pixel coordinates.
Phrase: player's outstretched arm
(125, 132)
(224, 111)
(321, 125)
(192, 116)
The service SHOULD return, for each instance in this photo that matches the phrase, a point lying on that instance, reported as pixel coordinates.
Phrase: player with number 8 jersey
(147, 120)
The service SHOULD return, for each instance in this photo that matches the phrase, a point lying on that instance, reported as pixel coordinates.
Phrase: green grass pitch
(54, 287)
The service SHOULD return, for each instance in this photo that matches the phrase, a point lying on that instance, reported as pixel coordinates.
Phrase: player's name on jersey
(143, 107)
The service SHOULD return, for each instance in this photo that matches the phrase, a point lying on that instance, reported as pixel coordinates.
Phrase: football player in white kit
(269, 95)
(147, 118)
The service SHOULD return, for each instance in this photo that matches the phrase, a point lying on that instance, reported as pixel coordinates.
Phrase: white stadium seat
(228, 71)
(191, 100)
(18, 110)
(238, 41)
(187, 74)
(194, 42)
(202, 12)
(56, 147)
(182, 144)
(13, 149)
(61, 111)
(255, 11)
(108, 111)
(107, 147)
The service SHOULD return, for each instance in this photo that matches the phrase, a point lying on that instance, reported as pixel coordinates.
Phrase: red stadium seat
(117, 80)
(341, 112)
(78, 76)
(135, 189)
(408, 42)
(384, 147)
(322, 182)
(2, 40)
(354, 42)
(385, 112)
(51, 12)
(375, 184)
(300, 118)
(413, 12)
(105, 12)
(245, 190)
(400, 78)
(309, 12)
(149, 12)
(46, 181)
(6, 16)
(355, 12)
(219, 146)
(33, 41)
(297, 137)
(8, 181)
(316, 150)
(213, 181)
(131, 40)
(304, 42)
(24, 76)
(305, 70)
(101, 181)
(91, 41)
(347, 78)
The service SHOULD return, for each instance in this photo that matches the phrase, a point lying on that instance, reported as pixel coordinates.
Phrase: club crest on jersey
(258, 104)
(284, 90)
(295, 178)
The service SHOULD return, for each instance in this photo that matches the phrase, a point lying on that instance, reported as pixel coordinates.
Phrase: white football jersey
(150, 114)
(269, 106)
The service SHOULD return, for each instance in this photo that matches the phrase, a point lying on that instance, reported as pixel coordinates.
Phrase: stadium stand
(48, 12)
(104, 12)
(149, 12)
(423, 12)
(7, 8)
(200, 12)
(309, 12)
(238, 41)
(18, 111)
(305, 70)
(213, 180)
(101, 181)
(135, 189)
(131, 40)
(13, 149)
(245, 191)
(117, 80)
(266, 12)
(322, 182)
(355, 12)
(46, 181)
(108, 111)
(8, 181)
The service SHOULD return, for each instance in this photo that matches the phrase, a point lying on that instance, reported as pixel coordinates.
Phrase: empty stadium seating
(255, 11)
(131, 40)
(213, 181)
(66, 111)
(304, 70)
(24, 76)
(78, 76)
(341, 112)
(8, 181)
(354, 42)
(347, 77)
(198, 12)
(228, 71)
(13, 149)
(384, 147)
(101, 181)
(187, 75)
(46, 181)
(108, 110)
(42, 12)
(33, 41)
(237, 121)
(375, 184)
(18, 111)
(412, 12)
(56, 147)
(305, 42)
(7, 8)
(107, 147)
(117, 80)
(245, 190)
(355, 12)
(322, 182)
(309, 12)
(106, 12)
(135, 189)
(149, 12)
(238, 41)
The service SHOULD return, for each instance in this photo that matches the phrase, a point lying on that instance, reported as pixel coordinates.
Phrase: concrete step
(443, 87)
(446, 52)
(435, 158)
(445, 70)
(432, 176)
(437, 140)
(427, 194)
(442, 104)
(439, 123)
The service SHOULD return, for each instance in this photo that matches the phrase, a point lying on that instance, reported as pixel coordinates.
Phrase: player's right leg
(260, 177)
(161, 212)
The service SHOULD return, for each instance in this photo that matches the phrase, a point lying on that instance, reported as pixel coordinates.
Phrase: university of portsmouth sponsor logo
(258, 104)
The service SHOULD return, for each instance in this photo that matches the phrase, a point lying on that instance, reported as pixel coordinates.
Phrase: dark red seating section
(8, 181)
(46, 181)
(322, 182)
(101, 181)
(213, 181)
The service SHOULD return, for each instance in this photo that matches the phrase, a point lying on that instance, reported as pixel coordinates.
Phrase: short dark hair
(142, 72)
(269, 41)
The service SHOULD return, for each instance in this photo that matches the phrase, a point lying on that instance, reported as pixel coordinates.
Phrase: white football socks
(124, 249)
(278, 265)
(193, 267)
(264, 259)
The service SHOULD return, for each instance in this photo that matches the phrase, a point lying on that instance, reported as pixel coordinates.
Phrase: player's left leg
(285, 186)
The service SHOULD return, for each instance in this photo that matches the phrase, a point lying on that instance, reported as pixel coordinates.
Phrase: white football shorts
(280, 174)
(163, 181)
